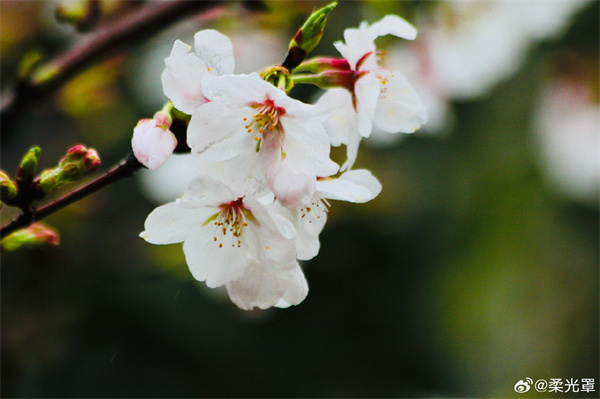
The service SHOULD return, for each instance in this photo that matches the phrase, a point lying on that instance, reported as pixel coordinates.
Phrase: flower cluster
(260, 201)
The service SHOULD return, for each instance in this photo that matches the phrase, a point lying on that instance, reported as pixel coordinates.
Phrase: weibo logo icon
(523, 386)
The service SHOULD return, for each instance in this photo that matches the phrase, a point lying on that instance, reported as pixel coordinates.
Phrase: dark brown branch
(125, 168)
(120, 35)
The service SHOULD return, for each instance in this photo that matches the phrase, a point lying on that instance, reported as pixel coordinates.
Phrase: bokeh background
(476, 267)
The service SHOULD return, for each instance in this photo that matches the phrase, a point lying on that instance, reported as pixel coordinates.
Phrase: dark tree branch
(126, 168)
(120, 35)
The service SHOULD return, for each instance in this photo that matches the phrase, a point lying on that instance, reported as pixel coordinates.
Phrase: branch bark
(126, 168)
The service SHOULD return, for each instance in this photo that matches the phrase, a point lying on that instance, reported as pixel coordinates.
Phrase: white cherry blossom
(376, 96)
(260, 133)
(357, 186)
(182, 78)
(231, 239)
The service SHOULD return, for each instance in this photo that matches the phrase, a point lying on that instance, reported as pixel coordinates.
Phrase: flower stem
(126, 168)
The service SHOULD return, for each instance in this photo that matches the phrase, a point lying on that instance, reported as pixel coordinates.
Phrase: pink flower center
(230, 222)
(265, 120)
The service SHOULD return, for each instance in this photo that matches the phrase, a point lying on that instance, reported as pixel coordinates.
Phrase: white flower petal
(308, 229)
(263, 287)
(292, 181)
(211, 263)
(357, 186)
(399, 108)
(214, 123)
(335, 107)
(308, 138)
(235, 90)
(367, 90)
(351, 150)
(392, 25)
(206, 191)
(182, 78)
(216, 50)
(171, 223)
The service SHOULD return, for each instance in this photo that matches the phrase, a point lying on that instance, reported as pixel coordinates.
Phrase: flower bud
(76, 164)
(322, 64)
(152, 141)
(28, 63)
(36, 235)
(28, 165)
(307, 37)
(330, 79)
(279, 77)
(8, 188)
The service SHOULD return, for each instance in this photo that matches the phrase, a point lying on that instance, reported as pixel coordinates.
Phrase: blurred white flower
(567, 128)
(466, 47)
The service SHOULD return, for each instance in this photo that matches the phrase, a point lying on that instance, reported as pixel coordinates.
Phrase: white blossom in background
(152, 141)
(231, 239)
(467, 47)
(259, 132)
(378, 97)
(567, 127)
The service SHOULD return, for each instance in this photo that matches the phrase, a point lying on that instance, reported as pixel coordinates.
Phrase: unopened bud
(330, 79)
(8, 188)
(28, 165)
(76, 164)
(37, 235)
(152, 141)
(279, 77)
(28, 63)
(307, 37)
(323, 64)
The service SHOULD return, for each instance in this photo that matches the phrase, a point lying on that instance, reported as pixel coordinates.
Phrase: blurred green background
(469, 272)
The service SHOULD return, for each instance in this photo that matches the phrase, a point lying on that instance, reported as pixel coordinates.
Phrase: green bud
(29, 61)
(8, 188)
(76, 164)
(308, 36)
(279, 77)
(28, 165)
(36, 235)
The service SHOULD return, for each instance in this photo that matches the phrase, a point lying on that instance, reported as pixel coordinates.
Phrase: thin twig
(126, 168)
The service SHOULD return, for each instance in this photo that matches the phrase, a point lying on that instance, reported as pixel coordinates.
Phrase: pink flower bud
(36, 235)
(76, 164)
(153, 142)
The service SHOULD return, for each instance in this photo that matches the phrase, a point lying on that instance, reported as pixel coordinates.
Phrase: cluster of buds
(27, 188)
(76, 164)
